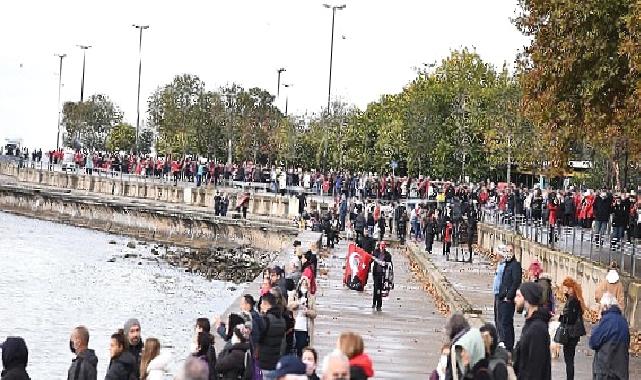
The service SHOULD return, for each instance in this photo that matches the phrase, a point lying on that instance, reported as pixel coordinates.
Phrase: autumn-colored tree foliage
(579, 78)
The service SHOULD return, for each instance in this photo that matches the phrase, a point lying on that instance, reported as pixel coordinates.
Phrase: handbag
(562, 335)
(577, 329)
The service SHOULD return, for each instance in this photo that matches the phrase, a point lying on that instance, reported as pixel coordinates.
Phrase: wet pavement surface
(474, 282)
(54, 277)
(403, 340)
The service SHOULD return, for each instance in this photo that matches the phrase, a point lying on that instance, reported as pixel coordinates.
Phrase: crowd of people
(530, 357)
(270, 337)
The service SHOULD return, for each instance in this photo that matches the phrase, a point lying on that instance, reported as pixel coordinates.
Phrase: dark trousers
(377, 300)
(301, 340)
(429, 241)
(506, 321)
(569, 349)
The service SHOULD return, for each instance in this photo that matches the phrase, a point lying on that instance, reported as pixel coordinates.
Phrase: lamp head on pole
(341, 6)
(281, 70)
(61, 56)
(140, 26)
(84, 47)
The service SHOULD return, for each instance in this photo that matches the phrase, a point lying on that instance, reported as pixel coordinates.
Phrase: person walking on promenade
(153, 364)
(269, 348)
(510, 282)
(611, 284)
(532, 360)
(83, 367)
(15, 356)
(382, 263)
(134, 341)
(602, 211)
(304, 310)
(360, 364)
(123, 365)
(572, 320)
(610, 340)
(430, 231)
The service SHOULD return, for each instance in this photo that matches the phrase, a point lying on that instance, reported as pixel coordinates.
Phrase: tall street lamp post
(61, 56)
(82, 82)
(287, 95)
(280, 71)
(331, 50)
(141, 28)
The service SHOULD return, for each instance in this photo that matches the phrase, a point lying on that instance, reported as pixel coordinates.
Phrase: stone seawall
(561, 264)
(154, 190)
(161, 223)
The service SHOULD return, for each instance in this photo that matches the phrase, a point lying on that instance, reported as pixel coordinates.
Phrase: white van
(68, 162)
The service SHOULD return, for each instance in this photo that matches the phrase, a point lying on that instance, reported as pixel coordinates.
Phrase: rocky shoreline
(231, 263)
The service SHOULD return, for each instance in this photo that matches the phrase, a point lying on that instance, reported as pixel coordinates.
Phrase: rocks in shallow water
(112, 242)
(131, 244)
(130, 255)
(112, 260)
(238, 264)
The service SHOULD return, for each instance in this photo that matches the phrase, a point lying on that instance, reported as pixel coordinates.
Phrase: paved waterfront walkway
(474, 282)
(403, 340)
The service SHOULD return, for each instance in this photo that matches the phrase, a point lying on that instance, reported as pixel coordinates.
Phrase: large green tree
(87, 124)
(122, 137)
(578, 85)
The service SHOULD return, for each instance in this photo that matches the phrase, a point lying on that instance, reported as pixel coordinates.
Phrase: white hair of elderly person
(335, 366)
(608, 300)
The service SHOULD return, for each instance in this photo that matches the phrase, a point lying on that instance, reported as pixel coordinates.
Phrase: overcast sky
(377, 46)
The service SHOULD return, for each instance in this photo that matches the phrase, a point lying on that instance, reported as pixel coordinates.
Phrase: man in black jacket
(134, 341)
(83, 367)
(532, 359)
(510, 282)
(271, 340)
(382, 258)
(602, 211)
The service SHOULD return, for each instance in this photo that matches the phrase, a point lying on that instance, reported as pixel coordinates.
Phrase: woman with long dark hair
(572, 319)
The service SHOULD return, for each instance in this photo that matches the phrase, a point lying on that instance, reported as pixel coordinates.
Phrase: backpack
(248, 372)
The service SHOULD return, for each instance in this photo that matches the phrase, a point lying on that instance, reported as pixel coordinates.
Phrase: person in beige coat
(303, 306)
(612, 284)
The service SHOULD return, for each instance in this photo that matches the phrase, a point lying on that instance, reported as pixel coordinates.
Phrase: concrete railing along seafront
(203, 196)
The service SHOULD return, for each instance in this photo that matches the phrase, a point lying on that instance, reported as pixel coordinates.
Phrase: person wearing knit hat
(534, 270)
(532, 352)
(532, 293)
(134, 340)
(611, 284)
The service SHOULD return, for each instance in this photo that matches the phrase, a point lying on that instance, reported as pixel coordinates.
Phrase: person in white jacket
(153, 364)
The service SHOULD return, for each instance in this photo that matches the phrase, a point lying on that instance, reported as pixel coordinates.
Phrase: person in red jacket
(447, 238)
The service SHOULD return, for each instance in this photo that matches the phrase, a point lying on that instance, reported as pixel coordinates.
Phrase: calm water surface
(54, 277)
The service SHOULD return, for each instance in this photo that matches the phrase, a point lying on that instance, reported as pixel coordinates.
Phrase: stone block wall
(561, 264)
(259, 204)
